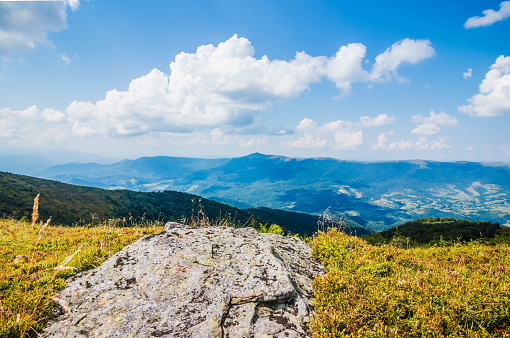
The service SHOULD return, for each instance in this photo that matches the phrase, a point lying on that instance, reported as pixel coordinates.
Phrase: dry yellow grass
(35, 260)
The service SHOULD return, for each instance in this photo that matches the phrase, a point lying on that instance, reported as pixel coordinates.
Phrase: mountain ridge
(380, 193)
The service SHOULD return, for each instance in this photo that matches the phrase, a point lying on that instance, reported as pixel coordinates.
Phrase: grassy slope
(385, 291)
(367, 291)
(29, 256)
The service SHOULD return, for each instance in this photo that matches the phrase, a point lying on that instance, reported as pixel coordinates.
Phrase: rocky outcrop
(193, 282)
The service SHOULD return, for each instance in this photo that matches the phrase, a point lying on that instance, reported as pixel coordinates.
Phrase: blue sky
(367, 80)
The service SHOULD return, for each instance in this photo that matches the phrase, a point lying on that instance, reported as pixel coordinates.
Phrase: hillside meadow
(35, 261)
(458, 290)
(448, 290)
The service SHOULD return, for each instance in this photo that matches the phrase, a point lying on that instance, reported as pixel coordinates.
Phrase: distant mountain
(32, 161)
(374, 194)
(24, 164)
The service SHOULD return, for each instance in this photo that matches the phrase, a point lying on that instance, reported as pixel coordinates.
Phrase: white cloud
(25, 24)
(380, 120)
(220, 86)
(19, 124)
(7, 129)
(74, 4)
(431, 125)
(214, 87)
(468, 74)
(489, 17)
(306, 123)
(493, 98)
(65, 58)
(337, 135)
(346, 67)
(224, 87)
(346, 140)
(35, 114)
(427, 128)
(308, 141)
(404, 51)
(382, 143)
(425, 144)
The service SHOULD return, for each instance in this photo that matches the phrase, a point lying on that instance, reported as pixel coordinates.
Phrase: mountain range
(377, 195)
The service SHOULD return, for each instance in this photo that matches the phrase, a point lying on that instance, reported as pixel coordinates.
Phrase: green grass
(386, 291)
(34, 265)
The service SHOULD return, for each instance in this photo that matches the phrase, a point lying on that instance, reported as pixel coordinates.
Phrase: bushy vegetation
(439, 230)
(36, 259)
(387, 291)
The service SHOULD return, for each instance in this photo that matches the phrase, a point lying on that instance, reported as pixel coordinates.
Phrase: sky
(370, 80)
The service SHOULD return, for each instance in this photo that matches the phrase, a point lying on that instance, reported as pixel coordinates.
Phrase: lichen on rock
(193, 282)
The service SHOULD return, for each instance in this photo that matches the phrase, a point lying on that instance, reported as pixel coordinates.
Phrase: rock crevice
(193, 282)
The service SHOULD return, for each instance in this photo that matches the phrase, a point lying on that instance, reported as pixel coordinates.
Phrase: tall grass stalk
(35, 210)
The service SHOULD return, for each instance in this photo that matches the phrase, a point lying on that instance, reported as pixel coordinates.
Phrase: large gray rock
(193, 282)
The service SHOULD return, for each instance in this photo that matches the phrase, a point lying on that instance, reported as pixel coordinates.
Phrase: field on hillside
(36, 259)
(454, 290)
(459, 290)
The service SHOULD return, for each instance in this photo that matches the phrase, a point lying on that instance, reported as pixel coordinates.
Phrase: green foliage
(387, 291)
(76, 205)
(438, 231)
(271, 229)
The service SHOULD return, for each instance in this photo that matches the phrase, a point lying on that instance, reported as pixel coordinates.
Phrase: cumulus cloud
(306, 124)
(431, 125)
(336, 135)
(34, 113)
(493, 98)
(226, 86)
(7, 129)
(214, 87)
(25, 24)
(380, 120)
(404, 51)
(308, 141)
(345, 67)
(16, 124)
(468, 74)
(423, 143)
(489, 17)
(222, 86)
(383, 143)
(346, 140)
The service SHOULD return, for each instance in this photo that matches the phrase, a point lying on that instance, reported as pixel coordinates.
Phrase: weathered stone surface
(193, 282)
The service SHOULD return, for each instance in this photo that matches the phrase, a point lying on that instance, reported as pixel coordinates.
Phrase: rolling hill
(378, 195)
(72, 205)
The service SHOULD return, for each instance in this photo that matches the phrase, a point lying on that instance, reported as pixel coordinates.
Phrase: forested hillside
(71, 204)
(78, 205)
